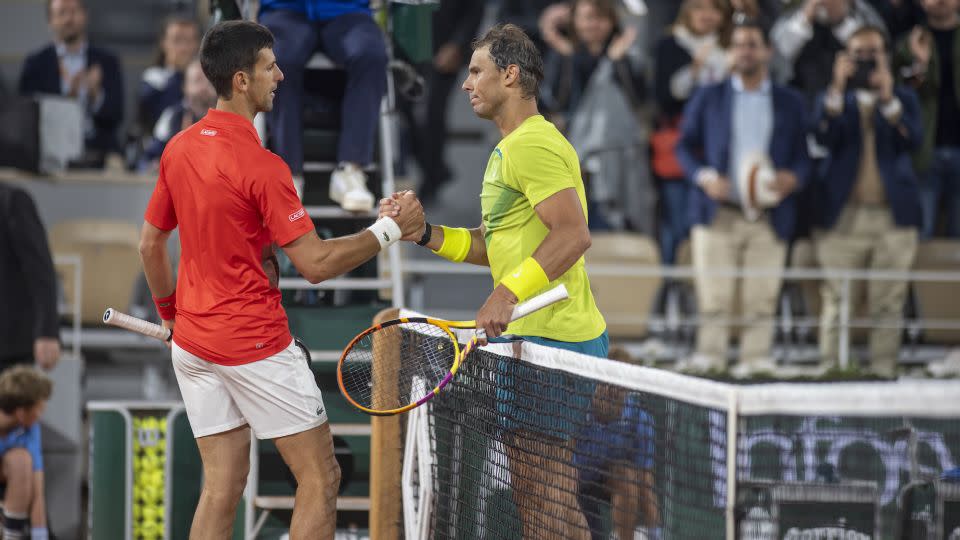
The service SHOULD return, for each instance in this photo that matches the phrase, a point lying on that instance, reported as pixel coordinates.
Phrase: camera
(864, 68)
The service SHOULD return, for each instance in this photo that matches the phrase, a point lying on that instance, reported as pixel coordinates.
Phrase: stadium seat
(938, 300)
(111, 263)
(625, 302)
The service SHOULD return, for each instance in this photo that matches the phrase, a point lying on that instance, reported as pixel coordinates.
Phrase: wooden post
(386, 446)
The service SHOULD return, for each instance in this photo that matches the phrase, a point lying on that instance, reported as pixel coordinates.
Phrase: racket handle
(540, 301)
(149, 329)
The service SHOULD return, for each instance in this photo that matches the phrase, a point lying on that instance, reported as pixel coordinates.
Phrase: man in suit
(869, 214)
(29, 325)
(71, 67)
(724, 125)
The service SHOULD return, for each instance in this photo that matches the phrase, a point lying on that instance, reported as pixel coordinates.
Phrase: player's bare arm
(569, 237)
(319, 260)
(156, 262)
(478, 247)
(566, 242)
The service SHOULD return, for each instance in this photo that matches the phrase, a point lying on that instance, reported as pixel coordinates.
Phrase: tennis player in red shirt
(236, 363)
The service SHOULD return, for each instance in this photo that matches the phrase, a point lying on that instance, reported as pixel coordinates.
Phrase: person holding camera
(869, 209)
(807, 39)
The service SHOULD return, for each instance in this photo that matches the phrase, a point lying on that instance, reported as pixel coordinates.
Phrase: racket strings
(396, 365)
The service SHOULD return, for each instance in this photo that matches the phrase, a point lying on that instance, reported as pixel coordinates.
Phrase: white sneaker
(697, 364)
(348, 187)
(744, 370)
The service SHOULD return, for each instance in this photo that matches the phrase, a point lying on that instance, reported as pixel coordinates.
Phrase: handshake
(405, 209)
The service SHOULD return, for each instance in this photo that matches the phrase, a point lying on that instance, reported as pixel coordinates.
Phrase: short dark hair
(230, 47)
(508, 44)
(741, 21)
(177, 19)
(50, 7)
(23, 386)
(870, 29)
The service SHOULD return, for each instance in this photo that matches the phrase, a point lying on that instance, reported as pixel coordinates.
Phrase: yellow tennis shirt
(529, 165)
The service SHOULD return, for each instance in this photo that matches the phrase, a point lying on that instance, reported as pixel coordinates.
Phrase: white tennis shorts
(276, 396)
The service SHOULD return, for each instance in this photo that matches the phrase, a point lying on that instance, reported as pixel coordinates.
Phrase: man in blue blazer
(869, 213)
(725, 126)
(70, 66)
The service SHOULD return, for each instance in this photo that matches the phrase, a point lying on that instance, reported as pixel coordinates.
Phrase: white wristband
(386, 231)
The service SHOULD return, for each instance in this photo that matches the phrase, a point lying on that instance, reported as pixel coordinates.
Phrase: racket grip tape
(540, 301)
(149, 329)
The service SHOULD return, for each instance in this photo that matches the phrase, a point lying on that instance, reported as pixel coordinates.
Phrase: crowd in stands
(738, 127)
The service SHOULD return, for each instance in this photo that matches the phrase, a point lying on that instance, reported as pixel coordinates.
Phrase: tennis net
(534, 442)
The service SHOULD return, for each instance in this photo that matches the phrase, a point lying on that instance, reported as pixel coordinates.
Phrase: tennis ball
(162, 425)
(152, 494)
(137, 531)
(137, 510)
(151, 530)
(150, 512)
(138, 494)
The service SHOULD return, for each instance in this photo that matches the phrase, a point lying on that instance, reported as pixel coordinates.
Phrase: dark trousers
(940, 194)
(355, 43)
(674, 223)
(429, 131)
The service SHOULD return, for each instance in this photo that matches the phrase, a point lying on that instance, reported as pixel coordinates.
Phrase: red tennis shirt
(230, 197)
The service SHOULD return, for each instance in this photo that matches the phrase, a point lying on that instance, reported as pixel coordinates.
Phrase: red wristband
(167, 306)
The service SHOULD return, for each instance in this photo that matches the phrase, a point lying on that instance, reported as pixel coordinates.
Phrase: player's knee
(17, 465)
(226, 488)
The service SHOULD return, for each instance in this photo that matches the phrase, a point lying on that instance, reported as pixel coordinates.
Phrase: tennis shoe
(348, 188)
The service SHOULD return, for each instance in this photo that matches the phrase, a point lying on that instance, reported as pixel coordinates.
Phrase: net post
(732, 409)
(386, 452)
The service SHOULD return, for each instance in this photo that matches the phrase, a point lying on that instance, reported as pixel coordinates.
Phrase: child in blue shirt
(24, 392)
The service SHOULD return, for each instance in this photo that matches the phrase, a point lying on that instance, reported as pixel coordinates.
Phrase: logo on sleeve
(208, 132)
(297, 215)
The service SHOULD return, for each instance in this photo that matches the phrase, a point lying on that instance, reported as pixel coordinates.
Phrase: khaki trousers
(732, 241)
(866, 237)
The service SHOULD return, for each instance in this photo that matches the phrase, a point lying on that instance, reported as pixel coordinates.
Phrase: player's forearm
(342, 255)
(478, 248)
(562, 247)
(157, 267)
(477, 253)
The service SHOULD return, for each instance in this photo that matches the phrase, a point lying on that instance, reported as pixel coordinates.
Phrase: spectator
(23, 396)
(528, 15)
(29, 325)
(690, 55)
(592, 90)
(809, 38)
(198, 97)
(345, 31)
(570, 63)
(455, 25)
(70, 66)
(870, 208)
(162, 83)
(926, 61)
(899, 16)
(724, 127)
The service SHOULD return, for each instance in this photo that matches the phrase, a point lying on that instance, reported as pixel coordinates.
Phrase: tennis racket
(129, 322)
(401, 364)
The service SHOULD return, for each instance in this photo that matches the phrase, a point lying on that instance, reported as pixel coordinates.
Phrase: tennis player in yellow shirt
(533, 236)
